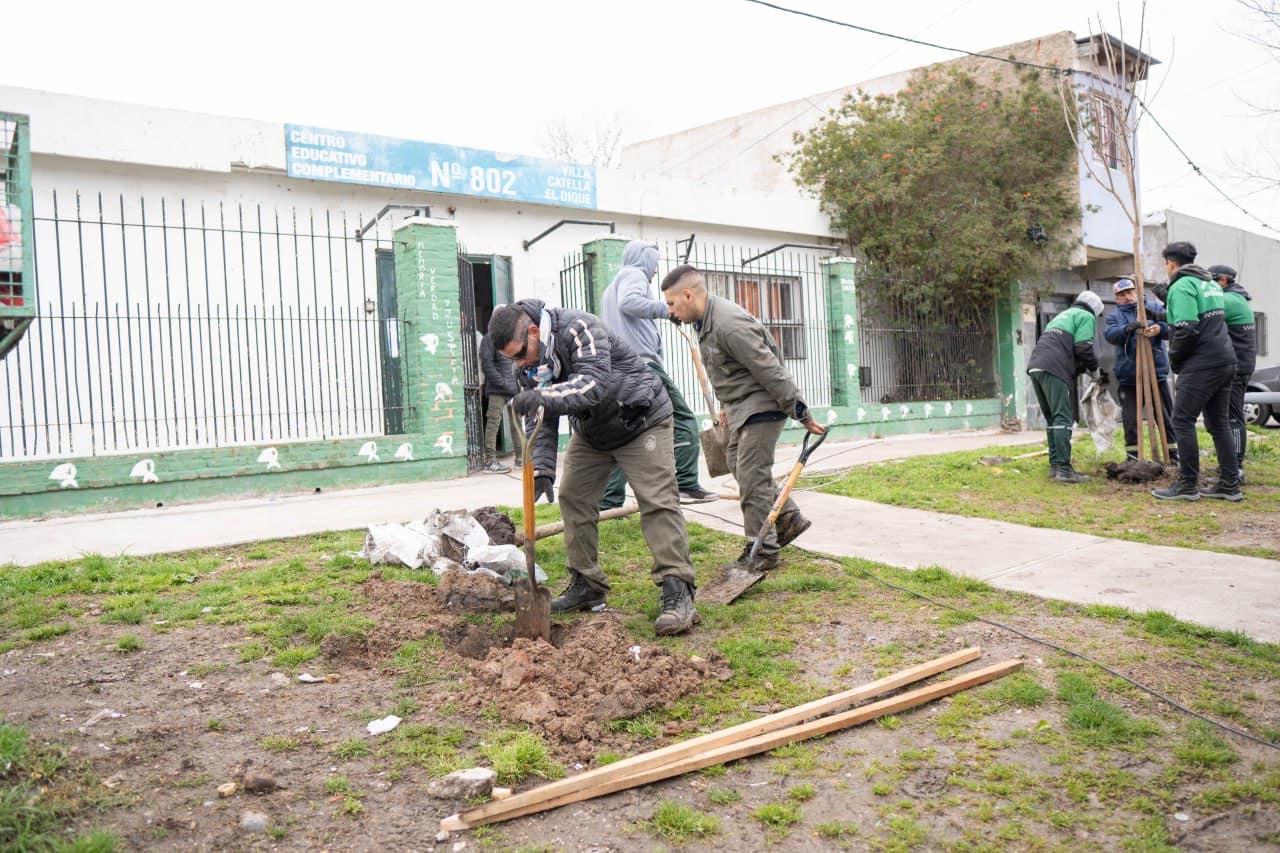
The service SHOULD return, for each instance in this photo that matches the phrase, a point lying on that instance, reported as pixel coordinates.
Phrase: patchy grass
(516, 755)
(128, 644)
(1019, 491)
(678, 824)
(1034, 761)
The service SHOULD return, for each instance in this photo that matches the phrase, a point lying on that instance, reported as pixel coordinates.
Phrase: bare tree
(1103, 111)
(1266, 14)
(600, 146)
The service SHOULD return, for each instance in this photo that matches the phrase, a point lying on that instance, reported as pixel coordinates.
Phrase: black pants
(1129, 414)
(1236, 413)
(1207, 391)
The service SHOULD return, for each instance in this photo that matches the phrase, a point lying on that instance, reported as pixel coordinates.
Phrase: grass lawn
(197, 654)
(1019, 491)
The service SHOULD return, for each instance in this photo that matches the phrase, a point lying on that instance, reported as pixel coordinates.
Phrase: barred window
(1106, 133)
(775, 300)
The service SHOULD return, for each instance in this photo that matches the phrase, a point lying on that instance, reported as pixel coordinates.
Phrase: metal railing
(173, 325)
(911, 348)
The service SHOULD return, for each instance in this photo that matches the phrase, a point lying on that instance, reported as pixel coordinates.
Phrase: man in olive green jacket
(756, 396)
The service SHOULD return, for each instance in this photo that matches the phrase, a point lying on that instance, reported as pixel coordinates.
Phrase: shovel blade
(734, 580)
(533, 612)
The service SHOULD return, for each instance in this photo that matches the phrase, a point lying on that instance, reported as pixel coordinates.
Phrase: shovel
(736, 578)
(533, 602)
(714, 440)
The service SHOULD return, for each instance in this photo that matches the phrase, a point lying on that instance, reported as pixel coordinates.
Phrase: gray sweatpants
(750, 451)
(649, 463)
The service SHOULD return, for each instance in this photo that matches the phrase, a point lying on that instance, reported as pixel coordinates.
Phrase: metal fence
(783, 289)
(173, 325)
(911, 348)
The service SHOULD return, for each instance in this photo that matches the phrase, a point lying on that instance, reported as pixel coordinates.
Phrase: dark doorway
(389, 345)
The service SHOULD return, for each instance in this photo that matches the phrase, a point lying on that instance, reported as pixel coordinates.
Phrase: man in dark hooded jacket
(1064, 351)
(1200, 352)
(570, 364)
(1243, 331)
(1122, 331)
(630, 312)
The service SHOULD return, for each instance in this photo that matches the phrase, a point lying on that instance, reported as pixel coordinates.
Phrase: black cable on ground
(1047, 643)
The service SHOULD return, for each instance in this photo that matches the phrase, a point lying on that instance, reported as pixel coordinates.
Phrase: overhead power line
(1024, 64)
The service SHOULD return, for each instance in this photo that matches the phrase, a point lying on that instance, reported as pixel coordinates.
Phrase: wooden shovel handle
(702, 374)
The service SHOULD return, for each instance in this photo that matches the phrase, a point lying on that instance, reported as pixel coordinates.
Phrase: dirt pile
(499, 526)
(595, 676)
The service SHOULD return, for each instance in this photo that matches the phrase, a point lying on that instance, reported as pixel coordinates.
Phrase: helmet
(1092, 301)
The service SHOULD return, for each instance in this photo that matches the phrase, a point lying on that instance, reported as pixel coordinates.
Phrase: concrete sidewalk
(1218, 590)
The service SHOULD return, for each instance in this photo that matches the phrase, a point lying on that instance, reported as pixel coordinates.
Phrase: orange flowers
(887, 156)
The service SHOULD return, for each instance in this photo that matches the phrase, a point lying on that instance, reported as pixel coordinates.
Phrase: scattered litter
(161, 622)
(98, 716)
(308, 678)
(113, 781)
(445, 541)
(206, 609)
(196, 685)
(1182, 817)
(635, 653)
(386, 724)
(9, 672)
(227, 789)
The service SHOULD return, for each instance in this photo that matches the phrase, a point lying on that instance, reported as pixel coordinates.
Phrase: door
(503, 288)
(389, 345)
(473, 408)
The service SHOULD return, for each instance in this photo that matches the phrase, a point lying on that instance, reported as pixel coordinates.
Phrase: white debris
(635, 653)
(445, 541)
(98, 716)
(386, 724)
(1182, 817)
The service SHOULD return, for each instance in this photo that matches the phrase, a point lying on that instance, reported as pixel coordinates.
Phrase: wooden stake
(740, 749)
(680, 751)
(554, 527)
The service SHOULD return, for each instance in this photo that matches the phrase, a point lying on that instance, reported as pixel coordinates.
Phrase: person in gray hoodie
(632, 314)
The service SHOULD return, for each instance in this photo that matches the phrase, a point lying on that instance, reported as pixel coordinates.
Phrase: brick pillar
(604, 260)
(1010, 358)
(426, 258)
(842, 321)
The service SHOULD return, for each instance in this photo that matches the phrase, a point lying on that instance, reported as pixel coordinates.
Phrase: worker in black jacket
(1243, 331)
(571, 364)
(1200, 352)
(499, 386)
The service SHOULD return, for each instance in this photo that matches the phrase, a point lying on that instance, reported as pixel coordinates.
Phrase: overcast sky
(493, 73)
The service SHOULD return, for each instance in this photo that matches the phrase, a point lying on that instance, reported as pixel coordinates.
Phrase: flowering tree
(971, 183)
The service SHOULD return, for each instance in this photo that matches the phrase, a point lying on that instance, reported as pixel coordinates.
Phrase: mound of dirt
(595, 676)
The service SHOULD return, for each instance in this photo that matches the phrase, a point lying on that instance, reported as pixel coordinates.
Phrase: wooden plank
(552, 528)
(742, 749)
(712, 740)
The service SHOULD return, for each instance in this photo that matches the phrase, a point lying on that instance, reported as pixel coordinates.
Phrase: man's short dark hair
(505, 325)
(1180, 253)
(673, 278)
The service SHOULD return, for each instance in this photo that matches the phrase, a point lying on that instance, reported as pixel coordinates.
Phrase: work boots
(762, 562)
(789, 527)
(578, 595)
(677, 614)
(1180, 490)
(1067, 474)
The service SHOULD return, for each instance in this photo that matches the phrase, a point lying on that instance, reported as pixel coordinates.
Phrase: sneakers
(697, 495)
(677, 614)
(1067, 474)
(1223, 492)
(789, 527)
(578, 595)
(495, 467)
(1180, 490)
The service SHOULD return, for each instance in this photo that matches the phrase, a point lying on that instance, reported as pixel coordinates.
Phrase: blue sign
(380, 161)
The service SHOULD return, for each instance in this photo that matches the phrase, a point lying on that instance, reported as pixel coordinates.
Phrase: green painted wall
(604, 256)
(1010, 354)
(842, 323)
(434, 446)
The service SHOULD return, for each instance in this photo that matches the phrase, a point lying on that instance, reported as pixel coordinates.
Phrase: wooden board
(680, 751)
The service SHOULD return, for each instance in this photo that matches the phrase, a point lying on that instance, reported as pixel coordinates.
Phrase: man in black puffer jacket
(568, 362)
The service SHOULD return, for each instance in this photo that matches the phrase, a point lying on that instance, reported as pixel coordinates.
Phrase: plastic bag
(1099, 413)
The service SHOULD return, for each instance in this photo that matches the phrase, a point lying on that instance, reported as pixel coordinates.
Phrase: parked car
(1264, 379)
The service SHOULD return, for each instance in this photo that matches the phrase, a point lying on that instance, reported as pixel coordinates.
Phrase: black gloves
(1132, 327)
(526, 403)
(1104, 377)
(542, 488)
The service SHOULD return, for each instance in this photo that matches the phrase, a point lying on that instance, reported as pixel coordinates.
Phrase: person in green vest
(1200, 352)
(1243, 332)
(1064, 351)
